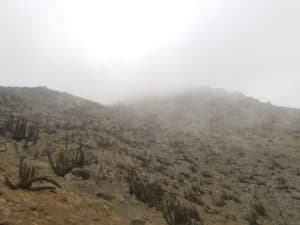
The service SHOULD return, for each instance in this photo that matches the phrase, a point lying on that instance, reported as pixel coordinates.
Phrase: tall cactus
(26, 174)
(27, 178)
(79, 159)
(19, 129)
(62, 165)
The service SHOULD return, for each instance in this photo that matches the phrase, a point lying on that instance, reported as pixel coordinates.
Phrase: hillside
(233, 159)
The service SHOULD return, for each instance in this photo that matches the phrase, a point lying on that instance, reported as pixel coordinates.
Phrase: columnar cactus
(62, 165)
(27, 178)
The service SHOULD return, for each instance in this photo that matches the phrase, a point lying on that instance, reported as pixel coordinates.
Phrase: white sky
(113, 49)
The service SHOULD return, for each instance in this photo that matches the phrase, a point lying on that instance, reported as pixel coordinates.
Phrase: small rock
(137, 222)
(4, 222)
(70, 177)
(84, 174)
(105, 196)
(15, 199)
(3, 201)
(33, 207)
(5, 212)
(107, 210)
(94, 219)
(18, 209)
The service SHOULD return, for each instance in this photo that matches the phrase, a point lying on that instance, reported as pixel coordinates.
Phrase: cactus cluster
(20, 129)
(79, 158)
(27, 178)
(173, 210)
(62, 165)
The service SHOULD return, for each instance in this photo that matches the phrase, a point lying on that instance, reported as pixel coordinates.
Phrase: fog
(110, 51)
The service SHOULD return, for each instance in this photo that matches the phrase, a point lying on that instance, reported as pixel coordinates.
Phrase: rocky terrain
(201, 157)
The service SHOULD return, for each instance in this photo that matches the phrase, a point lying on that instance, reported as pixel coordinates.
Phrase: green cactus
(19, 129)
(62, 165)
(27, 178)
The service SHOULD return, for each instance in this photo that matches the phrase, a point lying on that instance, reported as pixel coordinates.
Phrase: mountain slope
(225, 152)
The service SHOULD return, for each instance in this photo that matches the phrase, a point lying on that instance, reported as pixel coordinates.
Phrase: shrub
(176, 213)
(252, 218)
(150, 193)
(260, 209)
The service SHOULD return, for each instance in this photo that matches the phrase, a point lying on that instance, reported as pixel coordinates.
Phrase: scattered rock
(70, 177)
(15, 199)
(107, 210)
(33, 207)
(105, 196)
(18, 209)
(84, 174)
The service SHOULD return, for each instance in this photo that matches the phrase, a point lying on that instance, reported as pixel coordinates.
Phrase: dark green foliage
(26, 174)
(20, 129)
(79, 158)
(176, 213)
(260, 209)
(153, 195)
(27, 178)
(62, 165)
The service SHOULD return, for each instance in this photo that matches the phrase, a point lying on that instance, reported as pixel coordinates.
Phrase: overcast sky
(110, 50)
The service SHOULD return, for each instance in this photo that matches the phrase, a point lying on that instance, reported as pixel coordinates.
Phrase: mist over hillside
(161, 112)
(224, 157)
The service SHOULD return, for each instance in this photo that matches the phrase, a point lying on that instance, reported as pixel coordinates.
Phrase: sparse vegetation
(157, 155)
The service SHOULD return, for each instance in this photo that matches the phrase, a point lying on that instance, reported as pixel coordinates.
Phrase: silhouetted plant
(27, 178)
(19, 129)
(79, 159)
(260, 209)
(62, 165)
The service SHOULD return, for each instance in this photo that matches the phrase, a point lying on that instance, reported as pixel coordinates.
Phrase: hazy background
(111, 50)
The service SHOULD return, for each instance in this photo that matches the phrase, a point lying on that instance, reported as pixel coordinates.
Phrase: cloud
(247, 46)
